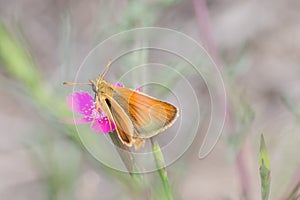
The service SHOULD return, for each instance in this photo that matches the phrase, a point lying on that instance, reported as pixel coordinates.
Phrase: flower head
(83, 103)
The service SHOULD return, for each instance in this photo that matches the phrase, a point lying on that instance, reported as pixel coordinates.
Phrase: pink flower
(83, 103)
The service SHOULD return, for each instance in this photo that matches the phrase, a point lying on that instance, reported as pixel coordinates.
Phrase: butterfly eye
(94, 88)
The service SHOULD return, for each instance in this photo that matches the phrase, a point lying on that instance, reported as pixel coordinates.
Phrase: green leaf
(265, 169)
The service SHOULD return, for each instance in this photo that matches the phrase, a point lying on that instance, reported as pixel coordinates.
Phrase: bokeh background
(255, 43)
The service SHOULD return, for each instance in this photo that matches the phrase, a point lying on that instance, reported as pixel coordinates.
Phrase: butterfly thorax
(101, 87)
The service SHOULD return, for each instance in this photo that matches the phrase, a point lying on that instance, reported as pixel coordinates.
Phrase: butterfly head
(99, 86)
(94, 86)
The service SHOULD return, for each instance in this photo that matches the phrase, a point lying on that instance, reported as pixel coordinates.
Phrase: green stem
(160, 164)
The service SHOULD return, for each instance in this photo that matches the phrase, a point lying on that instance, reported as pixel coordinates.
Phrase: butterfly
(135, 115)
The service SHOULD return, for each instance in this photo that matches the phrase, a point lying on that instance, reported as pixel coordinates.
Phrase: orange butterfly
(136, 116)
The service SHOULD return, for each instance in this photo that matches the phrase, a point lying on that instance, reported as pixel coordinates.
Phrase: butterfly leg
(96, 107)
(138, 143)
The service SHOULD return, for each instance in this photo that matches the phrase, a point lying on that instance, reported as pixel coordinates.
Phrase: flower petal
(81, 103)
(118, 84)
(102, 125)
(139, 89)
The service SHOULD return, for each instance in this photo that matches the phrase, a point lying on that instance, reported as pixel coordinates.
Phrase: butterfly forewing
(148, 115)
(122, 122)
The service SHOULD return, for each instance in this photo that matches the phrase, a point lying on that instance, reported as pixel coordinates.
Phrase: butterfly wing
(122, 122)
(148, 115)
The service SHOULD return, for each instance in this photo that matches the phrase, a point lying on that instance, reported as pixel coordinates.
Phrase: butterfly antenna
(106, 69)
(72, 83)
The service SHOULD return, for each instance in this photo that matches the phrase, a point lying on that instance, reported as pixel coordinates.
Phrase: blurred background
(255, 43)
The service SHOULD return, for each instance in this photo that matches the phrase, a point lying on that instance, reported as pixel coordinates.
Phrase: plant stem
(160, 164)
